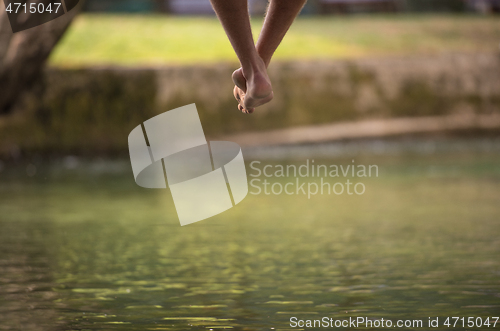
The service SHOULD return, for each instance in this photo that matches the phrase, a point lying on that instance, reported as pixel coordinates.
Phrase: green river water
(86, 249)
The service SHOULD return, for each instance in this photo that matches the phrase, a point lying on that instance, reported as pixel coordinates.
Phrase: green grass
(152, 40)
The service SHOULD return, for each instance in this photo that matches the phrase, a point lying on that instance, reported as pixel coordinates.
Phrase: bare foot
(239, 95)
(252, 89)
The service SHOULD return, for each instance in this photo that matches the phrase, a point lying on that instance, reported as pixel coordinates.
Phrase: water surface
(86, 249)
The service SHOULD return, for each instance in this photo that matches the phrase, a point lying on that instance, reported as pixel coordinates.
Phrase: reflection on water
(90, 250)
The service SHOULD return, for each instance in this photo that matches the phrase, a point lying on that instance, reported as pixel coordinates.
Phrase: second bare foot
(253, 88)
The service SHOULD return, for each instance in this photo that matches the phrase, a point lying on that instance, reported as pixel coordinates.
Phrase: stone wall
(92, 110)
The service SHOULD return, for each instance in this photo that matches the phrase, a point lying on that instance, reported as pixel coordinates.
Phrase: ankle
(254, 66)
(259, 85)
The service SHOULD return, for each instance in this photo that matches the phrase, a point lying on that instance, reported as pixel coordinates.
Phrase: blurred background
(412, 86)
(79, 84)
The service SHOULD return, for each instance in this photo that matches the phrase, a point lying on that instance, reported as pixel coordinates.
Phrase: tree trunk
(23, 54)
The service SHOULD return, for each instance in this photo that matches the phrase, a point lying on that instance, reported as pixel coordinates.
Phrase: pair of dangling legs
(252, 85)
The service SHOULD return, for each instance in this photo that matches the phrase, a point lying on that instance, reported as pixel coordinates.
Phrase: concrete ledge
(92, 110)
(366, 129)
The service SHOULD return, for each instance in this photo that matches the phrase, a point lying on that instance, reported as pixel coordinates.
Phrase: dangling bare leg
(279, 18)
(257, 89)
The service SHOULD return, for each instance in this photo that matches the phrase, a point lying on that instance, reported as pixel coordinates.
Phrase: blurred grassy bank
(111, 73)
(155, 40)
